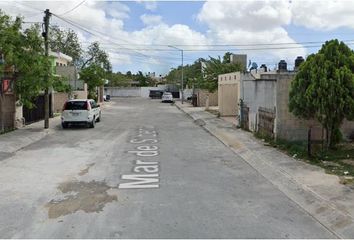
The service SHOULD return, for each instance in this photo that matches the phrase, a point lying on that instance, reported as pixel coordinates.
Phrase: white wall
(132, 91)
(258, 93)
(123, 92)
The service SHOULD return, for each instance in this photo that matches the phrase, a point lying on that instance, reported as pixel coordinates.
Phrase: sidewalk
(12, 142)
(318, 193)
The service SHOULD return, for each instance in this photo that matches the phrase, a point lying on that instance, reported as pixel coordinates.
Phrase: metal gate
(37, 112)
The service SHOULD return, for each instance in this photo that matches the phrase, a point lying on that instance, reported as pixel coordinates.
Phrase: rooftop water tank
(282, 66)
(298, 61)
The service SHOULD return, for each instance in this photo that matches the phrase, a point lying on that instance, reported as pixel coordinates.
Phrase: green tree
(24, 50)
(215, 67)
(67, 42)
(94, 75)
(97, 56)
(227, 57)
(323, 89)
(143, 80)
(95, 67)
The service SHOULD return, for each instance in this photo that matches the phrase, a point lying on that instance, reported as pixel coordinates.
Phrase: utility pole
(46, 76)
(182, 69)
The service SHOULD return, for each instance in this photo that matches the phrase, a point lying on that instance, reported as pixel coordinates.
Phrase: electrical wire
(78, 5)
(100, 35)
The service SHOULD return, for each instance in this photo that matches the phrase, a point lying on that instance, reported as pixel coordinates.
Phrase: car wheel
(99, 118)
(92, 124)
(64, 125)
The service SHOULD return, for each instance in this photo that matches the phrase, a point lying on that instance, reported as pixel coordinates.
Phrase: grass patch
(7, 130)
(339, 161)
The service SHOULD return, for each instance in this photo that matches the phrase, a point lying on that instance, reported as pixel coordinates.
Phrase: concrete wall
(80, 94)
(187, 93)
(71, 73)
(8, 110)
(229, 93)
(258, 93)
(59, 100)
(201, 97)
(132, 91)
(123, 91)
(287, 126)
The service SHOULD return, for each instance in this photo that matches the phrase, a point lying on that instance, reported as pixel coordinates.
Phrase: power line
(78, 5)
(101, 35)
(232, 45)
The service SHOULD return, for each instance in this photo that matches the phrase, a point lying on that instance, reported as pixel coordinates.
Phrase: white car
(167, 97)
(80, 111)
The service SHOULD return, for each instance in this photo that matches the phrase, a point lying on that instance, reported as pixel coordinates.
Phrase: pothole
(86, 196)
(85, 171)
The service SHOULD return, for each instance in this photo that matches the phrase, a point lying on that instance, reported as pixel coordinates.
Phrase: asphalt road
(146, 171)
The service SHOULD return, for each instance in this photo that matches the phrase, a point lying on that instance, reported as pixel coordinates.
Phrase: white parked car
(80, 111)
(167, 97)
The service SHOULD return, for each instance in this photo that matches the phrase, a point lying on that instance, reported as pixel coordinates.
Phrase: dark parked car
(155, 94)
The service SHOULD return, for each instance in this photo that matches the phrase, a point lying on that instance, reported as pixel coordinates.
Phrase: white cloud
(149, 4)
(151, 19)
(327, 15)
(251, 22)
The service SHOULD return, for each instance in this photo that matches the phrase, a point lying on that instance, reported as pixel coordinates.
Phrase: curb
(18, 139)
(335, 220)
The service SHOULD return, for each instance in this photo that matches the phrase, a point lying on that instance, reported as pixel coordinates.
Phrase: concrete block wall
(59, 100)
(287, 126)
(79, 94)
(202, 95)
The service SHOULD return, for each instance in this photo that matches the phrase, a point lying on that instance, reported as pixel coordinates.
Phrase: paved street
(146, 171)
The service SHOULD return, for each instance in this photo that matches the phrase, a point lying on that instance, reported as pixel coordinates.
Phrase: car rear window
(77, 105)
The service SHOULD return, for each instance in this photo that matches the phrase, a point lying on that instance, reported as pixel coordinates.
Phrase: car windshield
(76, 105)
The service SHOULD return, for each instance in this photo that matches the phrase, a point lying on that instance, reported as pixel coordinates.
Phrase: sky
(149, 36)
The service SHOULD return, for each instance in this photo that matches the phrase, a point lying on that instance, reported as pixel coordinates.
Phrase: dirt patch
(349, 162)
(86, 196)
(85, 171)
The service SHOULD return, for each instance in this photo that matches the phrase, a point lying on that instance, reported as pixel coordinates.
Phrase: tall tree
(94, 75)
(97, 56)
(215, 67)
(95, 67)
(67, 42)
(23, 51)
(323, 89)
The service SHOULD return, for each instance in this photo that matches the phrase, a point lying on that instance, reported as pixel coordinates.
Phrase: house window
(235, 77)
(57, 63)
(229, 77)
